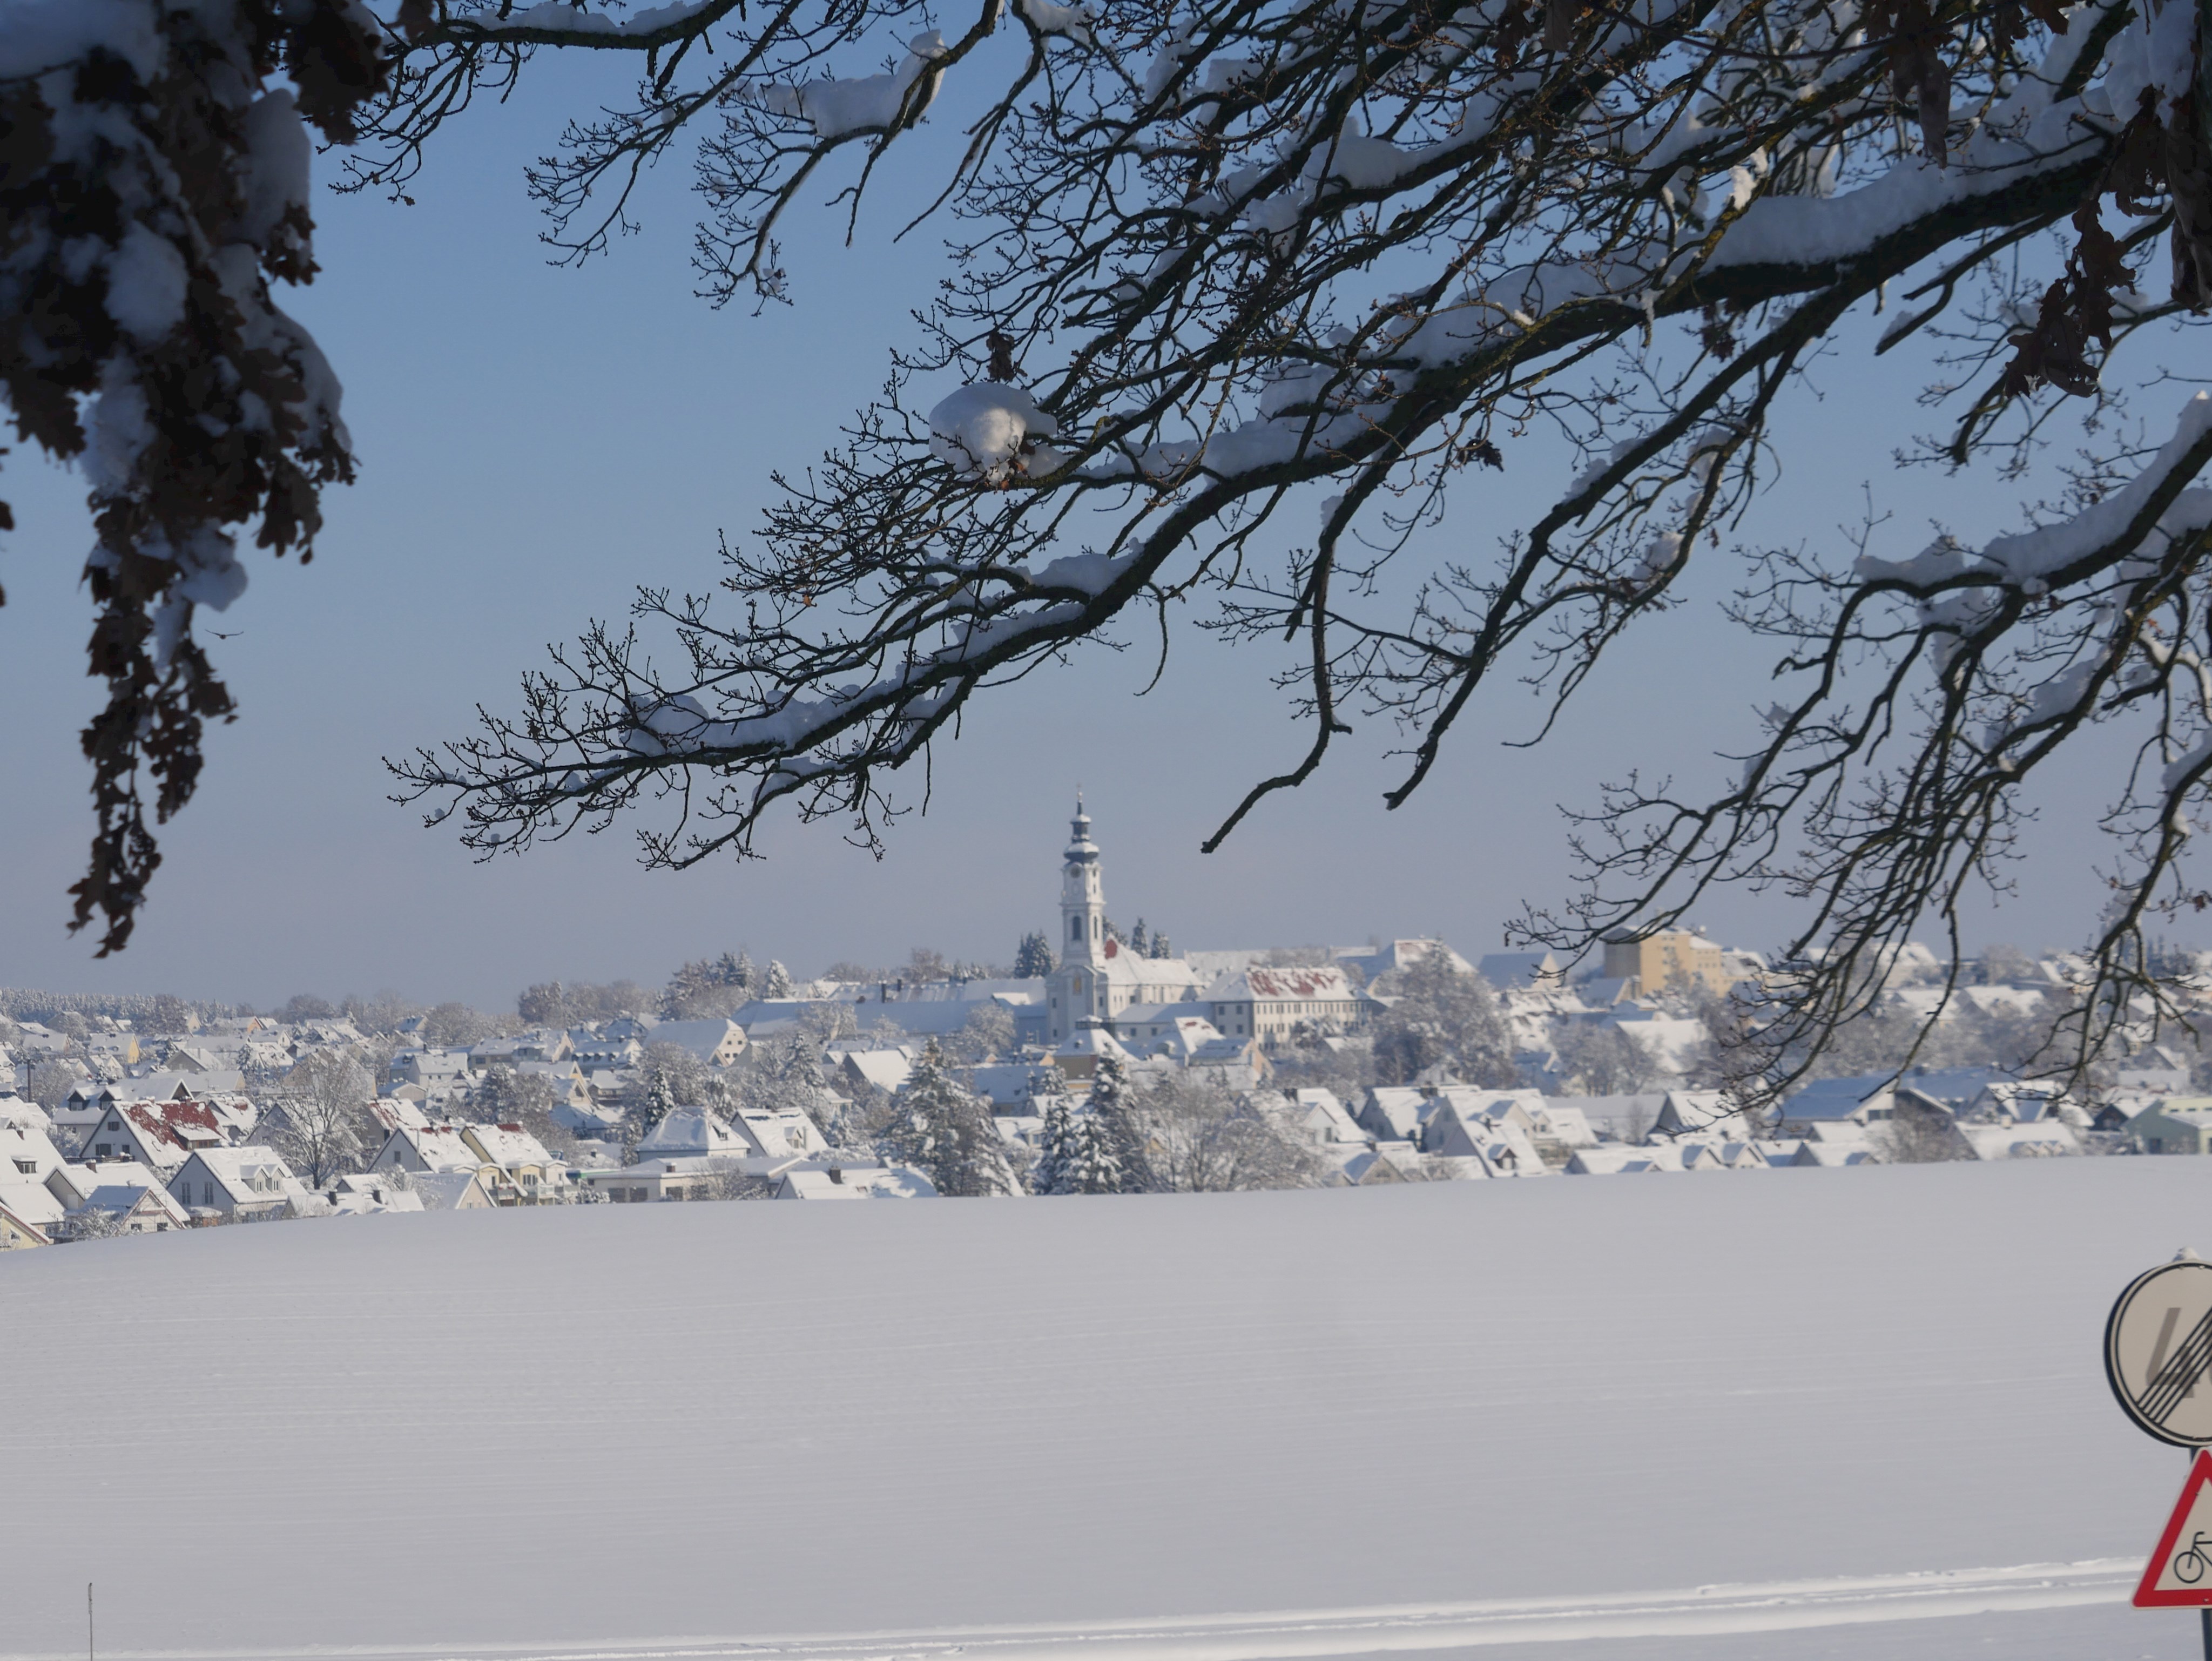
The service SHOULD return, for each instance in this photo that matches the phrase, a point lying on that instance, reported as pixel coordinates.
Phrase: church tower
(1079, 987)
(1082, 897)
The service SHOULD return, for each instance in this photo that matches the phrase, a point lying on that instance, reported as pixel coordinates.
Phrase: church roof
(1303, 983)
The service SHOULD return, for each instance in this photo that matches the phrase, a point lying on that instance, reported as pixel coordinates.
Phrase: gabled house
(1384, 1163)
(1623, 1158)
(1865, 1099)
(240, 1185)
(778, 1133)
(717, 1043)
(1688, 1113)
(1318, 1116)
(882, 1182)
(29, 1214)
(451, 1190)
(27, 1155)
(532, 1175)
(1493, 1126)
(883, 1070)
(437, 1148)
(139, 1206)
(1391, 1113)
(398, 1113)
(365, 1195)
(2173, 1125)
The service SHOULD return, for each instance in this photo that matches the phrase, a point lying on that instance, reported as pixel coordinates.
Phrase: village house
(142, 1207)
(440, 1148)
(238, 1185)
(368, 1196)
(1862, 1100)
(31, 1213)
(692, 1133)
(449, 1191)
(2173, 1125)
(532, 1176)
(1669, 961)
(716, 1043)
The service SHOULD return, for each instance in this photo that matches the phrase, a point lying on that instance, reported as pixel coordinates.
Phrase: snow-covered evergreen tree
(949, 1134)
(1077, 1154)
(1119, 1128)
(1055, 1145)
(1033, 959)
(1139, 942)
(1160, 947)
(778, 984)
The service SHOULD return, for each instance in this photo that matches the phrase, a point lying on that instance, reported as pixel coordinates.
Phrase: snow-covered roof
(247, 1174)
(507, 1146)
(129, 1196)
(30, 1202)
(691, 1132)
(1505, 970)
(27, 1115)
(1837, 1098)
(1303, 983)
(886, 1070)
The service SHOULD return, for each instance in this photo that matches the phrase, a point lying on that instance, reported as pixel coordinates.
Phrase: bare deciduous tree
(325, 1126)
(1218, 265)
(1200, 1140)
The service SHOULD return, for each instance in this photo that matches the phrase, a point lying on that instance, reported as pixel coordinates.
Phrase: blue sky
(536, 441)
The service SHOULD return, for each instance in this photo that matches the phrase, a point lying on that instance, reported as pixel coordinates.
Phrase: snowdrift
(1156, 1423)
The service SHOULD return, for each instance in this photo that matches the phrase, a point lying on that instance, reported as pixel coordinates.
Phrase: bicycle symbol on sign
(2189, 1565)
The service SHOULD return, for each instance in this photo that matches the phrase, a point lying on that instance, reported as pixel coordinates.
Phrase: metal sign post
(2158, 1360)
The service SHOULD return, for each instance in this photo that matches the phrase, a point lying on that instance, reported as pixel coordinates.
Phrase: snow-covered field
(1803, 1414)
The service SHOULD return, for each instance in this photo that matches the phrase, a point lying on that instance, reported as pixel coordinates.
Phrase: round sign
(2158, 1352)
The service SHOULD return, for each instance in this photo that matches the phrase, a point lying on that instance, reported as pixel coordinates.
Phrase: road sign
(2180, 1572)
(2158, 1352)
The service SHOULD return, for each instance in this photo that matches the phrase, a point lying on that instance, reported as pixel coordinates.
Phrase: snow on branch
(156, 184)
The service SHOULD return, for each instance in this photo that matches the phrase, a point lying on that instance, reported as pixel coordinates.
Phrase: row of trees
(1178, 1137)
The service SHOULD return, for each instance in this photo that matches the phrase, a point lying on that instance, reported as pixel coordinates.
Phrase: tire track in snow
(1304, 1635)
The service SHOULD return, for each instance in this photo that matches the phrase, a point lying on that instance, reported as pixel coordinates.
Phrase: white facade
(1097, 979)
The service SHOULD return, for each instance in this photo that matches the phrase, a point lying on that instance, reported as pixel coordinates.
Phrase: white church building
(1101, 987)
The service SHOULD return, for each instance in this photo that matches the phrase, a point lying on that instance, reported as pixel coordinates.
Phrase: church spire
(1082, 895)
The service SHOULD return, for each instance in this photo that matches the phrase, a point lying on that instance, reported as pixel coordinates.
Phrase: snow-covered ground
(1802, 1413)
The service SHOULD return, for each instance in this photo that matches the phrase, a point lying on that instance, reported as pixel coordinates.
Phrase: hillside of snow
(1796, 1414)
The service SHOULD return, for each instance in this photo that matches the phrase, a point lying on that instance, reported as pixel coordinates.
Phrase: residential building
(1670, 961)
(2173, 1125)
(239, 1185)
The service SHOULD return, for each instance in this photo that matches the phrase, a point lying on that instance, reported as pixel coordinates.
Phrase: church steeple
(1082, 896)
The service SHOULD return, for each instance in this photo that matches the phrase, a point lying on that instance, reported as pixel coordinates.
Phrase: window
(103, 1150)
(29, 1167)
(1075, 928)
(637, 1195)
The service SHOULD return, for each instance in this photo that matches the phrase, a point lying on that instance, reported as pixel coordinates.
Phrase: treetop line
(1206, 256)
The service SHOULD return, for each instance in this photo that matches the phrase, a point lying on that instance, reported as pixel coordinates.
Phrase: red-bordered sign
(2180, 1572)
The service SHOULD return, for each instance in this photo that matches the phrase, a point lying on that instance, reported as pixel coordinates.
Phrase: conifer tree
(1056, 1147)
(1033, 959)
(947, 1132)
(1092, 1166)
(778, 981)
(1118, 1128)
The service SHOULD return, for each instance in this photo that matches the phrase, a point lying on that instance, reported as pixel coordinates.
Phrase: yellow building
(1675, 960)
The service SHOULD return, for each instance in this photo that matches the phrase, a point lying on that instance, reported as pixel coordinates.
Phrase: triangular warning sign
(2180, 1572)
